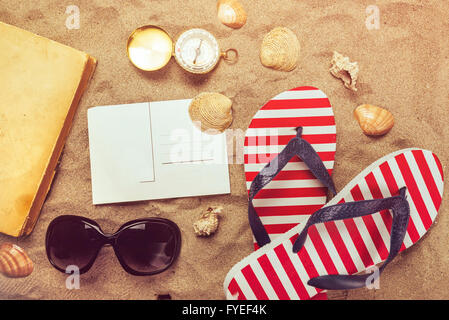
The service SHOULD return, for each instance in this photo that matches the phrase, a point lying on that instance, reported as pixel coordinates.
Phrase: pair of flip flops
(303, 245)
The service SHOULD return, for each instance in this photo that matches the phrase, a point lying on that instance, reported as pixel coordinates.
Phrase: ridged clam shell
(14, 262)
(211, 111)
(207, 223)
(231, 13)
(374, 121)
(280, 49)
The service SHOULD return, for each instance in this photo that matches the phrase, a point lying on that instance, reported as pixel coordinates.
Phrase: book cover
(41, 84)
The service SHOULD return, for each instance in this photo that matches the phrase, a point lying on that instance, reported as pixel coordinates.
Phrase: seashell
(231, 13)
(14, 262)
(211, 111)
(345, 70)
(280, 49)
(374, 121)
(208, 222)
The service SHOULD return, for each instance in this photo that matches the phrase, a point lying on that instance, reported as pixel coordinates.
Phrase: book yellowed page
(39, 91)
(149, 151)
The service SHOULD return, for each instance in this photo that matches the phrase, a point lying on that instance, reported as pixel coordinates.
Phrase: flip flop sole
(349, 246)
(295, 193)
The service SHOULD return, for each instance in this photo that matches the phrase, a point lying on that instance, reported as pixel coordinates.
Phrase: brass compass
(196, 50)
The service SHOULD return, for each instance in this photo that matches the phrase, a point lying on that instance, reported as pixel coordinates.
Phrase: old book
(41, 83)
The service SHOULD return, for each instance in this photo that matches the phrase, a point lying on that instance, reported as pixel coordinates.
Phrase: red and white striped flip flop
(295, 193)
(349, 245)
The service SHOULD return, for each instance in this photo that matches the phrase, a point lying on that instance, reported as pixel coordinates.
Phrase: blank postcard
(148, 151)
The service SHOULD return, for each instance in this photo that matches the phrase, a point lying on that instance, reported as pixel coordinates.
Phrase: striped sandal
(295, 193)
(384, 210)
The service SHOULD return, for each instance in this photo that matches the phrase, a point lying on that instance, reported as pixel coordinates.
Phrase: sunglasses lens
(148, 247)
(72, 243)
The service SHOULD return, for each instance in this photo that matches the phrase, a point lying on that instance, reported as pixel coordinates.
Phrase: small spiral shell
(207, 224)
(374, 121)
(211, 111)
(231, 13)
(345, 70)
(280, 49)
(14, 262)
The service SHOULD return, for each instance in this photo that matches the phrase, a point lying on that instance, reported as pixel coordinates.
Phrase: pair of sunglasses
(143, 247)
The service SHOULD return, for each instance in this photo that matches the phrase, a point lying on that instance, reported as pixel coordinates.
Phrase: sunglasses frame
(111, 239)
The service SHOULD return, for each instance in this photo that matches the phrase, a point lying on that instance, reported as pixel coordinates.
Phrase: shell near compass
(280, 49)
(14, 262)
(345, 70)
(211, 112)
(231, 13)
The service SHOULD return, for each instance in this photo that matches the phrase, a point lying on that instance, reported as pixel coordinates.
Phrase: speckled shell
(231, 13)
(374, 121)
(280, 49)
(14, 262)
(211, 111)
(207, 223)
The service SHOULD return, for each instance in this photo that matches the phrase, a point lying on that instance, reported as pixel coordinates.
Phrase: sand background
(404, 67)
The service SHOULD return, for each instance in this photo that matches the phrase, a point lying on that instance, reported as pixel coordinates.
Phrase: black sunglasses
(143, 247)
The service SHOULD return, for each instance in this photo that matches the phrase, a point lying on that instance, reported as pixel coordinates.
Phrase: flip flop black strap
(296, 146)
(401, 215)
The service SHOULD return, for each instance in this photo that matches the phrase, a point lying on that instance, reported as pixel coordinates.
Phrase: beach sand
(403, 67)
